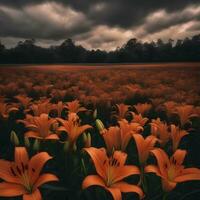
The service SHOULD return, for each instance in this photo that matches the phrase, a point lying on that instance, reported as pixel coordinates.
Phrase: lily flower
(184, 112)
(137, 118)
(170, 107)
(24, 101)
(122, 110)
(126, 131)
(176, 136)
(143, 108)
(117, 138)
(58, 107)
(22, 177)
(112, 138)
(75, 107)
(5, 109)
(111, 172)
(160, 130)
(40, 107)
(144, 146)
(171, 170)
(72, 128)
(40, 127)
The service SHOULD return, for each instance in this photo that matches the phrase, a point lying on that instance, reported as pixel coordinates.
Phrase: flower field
(99, 133)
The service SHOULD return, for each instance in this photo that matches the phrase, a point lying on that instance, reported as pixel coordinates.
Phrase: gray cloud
(102, 24)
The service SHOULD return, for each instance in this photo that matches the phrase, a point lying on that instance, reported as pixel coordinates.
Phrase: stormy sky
(104, 24)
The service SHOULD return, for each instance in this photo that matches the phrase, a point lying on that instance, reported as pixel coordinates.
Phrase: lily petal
(162, 159)
(36, 195)
(191, 170)
(21, 157)
(5, 172)
(44, 178)
(36, 164)
(168, 185)
(116, 193)
(11, 189)
(52, 137)
(124, 171)
(179, 156)
(139, 141)
(120, 157)
(187, 177)
(98, 156)
(152, 169)
(93, 180)
(125, 187)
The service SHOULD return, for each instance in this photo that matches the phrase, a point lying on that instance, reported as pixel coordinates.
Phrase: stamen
(113, 162)
(13, 172)
(23, 168)
(18, 170)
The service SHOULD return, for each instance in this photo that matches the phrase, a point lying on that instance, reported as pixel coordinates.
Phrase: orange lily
(5, 109)
(72, 128)
(75, 107)
(22, 177)
(42, 106)
(122, 110)
(59, 108)
(144, 145)
(39, 127)
(126, 131)
(58, 94)
(142, 108)
(171, 170)
(176, 136)
(160, 130)
(137, 118)
(117, 138)
(24, 101)
(112, 138)
(184, 112)
(170, 107)
(111, 172)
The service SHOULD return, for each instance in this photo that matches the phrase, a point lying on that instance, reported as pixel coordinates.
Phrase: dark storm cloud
(123, 13)
(43, 21)
(113, 21)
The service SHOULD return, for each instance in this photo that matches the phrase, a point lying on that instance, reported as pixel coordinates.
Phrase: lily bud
(26, 142)
(84, 137)
(87, 140)
(83, 167)
(95, 114)
(100, 125)
(36, 145)
(14, 138)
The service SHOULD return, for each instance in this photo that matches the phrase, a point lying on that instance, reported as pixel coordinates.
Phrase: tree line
(133, 50)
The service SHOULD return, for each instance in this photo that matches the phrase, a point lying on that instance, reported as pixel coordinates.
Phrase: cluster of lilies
(113, 163)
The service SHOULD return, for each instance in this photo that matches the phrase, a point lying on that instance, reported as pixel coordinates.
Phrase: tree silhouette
(132, 51)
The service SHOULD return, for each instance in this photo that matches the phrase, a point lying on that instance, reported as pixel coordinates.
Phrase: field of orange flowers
(99, 133)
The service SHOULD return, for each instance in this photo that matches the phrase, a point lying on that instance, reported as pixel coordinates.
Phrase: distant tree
(2, 47)
(132, 51)
(2, 53)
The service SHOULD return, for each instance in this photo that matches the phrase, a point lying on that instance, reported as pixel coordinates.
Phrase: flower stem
(165, 196)
(142, 181)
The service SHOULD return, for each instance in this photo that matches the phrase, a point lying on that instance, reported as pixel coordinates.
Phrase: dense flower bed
(100, 134)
